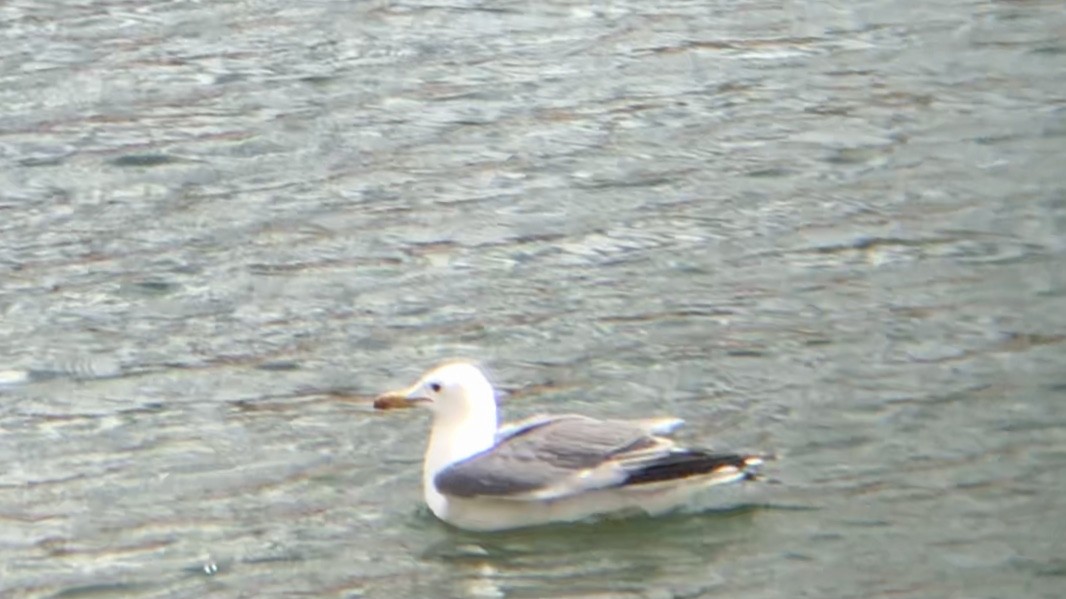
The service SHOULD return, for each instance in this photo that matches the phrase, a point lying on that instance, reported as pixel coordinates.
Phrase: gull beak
(401, 398)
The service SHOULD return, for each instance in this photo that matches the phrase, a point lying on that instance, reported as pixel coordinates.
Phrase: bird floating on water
(551, 468)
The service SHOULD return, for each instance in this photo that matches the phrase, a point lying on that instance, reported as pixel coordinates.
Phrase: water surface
(835, 233)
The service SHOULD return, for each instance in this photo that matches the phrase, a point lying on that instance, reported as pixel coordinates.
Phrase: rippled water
(834, 232)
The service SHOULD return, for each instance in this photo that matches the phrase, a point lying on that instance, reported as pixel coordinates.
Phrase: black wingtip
(689, 463)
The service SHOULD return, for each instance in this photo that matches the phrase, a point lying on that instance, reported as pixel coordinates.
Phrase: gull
(550, 468)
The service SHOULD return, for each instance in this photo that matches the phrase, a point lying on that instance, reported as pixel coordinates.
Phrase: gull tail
(721, 467)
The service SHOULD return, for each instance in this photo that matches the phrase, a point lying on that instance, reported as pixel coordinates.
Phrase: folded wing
(547, 458)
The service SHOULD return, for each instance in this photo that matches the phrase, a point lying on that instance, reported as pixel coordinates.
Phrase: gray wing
(552, 457)
(663, 425)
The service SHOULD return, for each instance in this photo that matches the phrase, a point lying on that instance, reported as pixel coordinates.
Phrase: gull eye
(435, 387)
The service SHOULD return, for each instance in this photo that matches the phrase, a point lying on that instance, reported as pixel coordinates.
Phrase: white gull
(548, 469)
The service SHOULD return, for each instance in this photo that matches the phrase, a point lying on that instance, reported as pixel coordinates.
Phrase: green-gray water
(830, 231)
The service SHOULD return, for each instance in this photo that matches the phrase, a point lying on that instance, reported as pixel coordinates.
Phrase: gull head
(454, 391)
